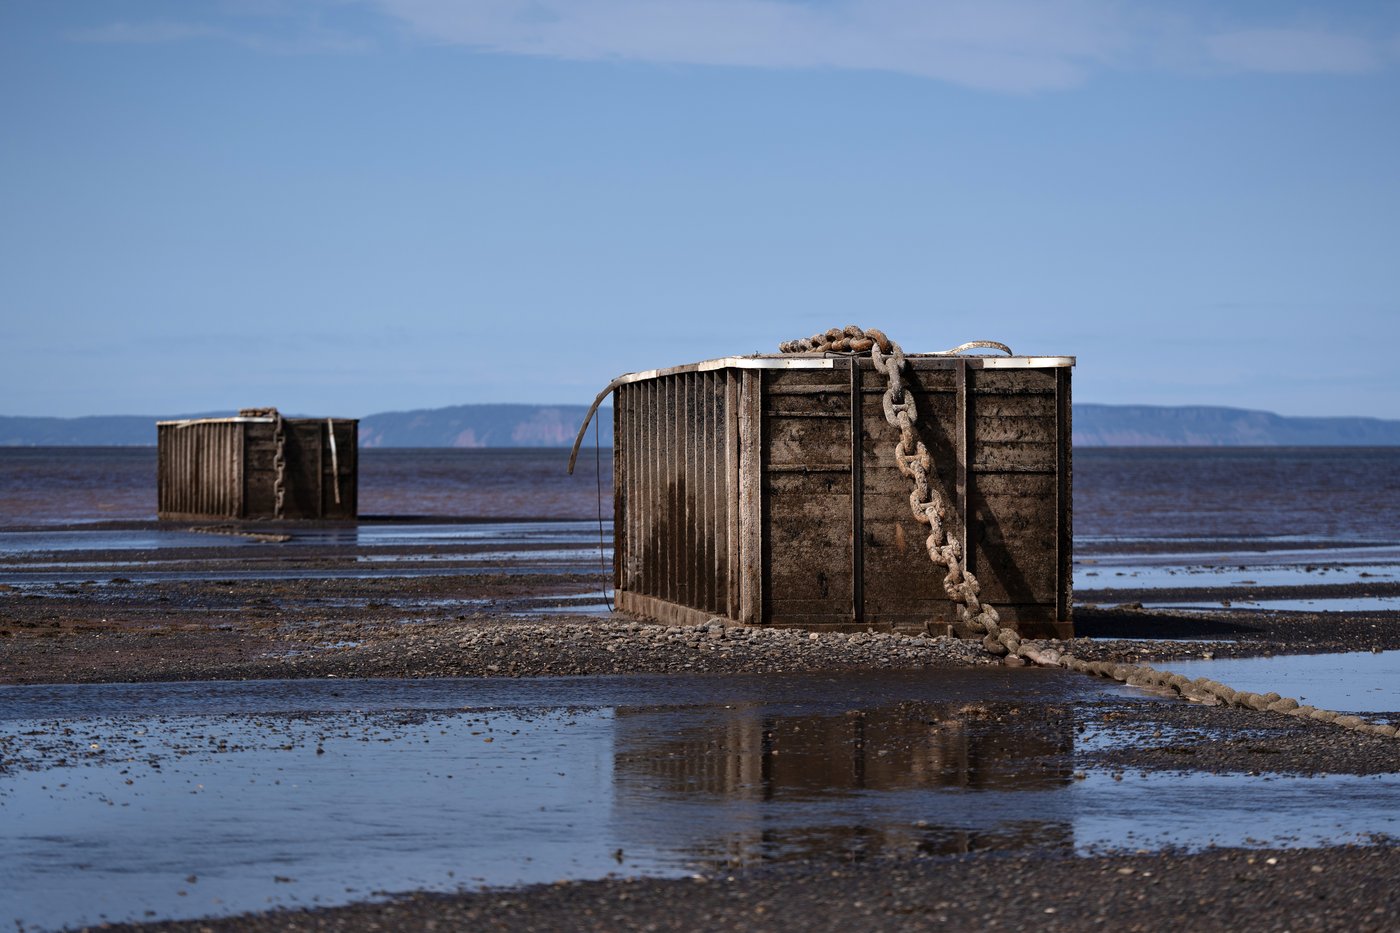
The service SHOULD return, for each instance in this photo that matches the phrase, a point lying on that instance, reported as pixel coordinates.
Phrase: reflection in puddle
(1355, 682)
(187, 800)
(1339, 604)
(1140, 576)
(753, 785)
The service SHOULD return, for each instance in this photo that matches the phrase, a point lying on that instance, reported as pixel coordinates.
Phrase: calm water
(1323, 495)
(1298, 494)
(181, 800)
(48, 485)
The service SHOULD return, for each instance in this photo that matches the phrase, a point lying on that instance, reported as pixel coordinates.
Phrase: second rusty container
(258, 465)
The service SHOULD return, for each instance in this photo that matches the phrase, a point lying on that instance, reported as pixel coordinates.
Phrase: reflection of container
(229, 467)
(785, 780)
(753, 489)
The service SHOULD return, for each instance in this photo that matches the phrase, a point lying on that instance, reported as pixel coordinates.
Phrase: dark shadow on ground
(1111, 623)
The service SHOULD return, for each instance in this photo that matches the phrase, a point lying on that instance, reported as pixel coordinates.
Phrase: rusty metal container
(764, 490)
(234, 468)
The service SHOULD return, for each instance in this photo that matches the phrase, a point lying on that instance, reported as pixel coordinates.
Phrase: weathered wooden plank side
(258, 474)
(1013, 538)
(1064, 511)
(303, 470)
(338, 473)
(901, 584)
(807, 547)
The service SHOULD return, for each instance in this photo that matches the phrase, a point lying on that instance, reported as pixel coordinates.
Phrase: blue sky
(348, 206)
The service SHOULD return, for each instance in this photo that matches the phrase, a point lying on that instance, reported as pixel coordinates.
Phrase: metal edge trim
(828, 362)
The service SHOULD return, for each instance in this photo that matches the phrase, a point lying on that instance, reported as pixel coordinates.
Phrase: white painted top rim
(815, 361)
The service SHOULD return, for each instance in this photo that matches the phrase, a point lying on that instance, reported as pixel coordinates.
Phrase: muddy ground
(102, 626)
(108, 624)
(1227, 889)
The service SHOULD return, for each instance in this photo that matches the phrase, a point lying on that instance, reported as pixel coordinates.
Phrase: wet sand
(108, 624)
(1226, 889)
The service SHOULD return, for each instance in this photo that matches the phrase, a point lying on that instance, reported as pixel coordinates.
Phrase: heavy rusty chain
(279, 465)
(279, 456)
(926, 500)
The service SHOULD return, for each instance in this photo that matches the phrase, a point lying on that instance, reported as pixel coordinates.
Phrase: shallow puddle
(184, 800)
(1354, 682)
(1273, 566)
(1338, 604)
(380, 550)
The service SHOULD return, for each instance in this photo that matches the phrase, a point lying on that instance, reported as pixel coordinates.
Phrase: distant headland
(555, 426)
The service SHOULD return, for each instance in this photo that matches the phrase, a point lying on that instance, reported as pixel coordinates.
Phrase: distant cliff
(1208, 426)
(457, 426)
(483, 426)
(556, 425)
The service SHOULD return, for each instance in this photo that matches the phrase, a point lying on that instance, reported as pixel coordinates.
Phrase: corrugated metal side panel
(675, 494)
(200, 471)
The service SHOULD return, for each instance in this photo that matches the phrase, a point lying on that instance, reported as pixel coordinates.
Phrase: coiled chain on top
(913, 459)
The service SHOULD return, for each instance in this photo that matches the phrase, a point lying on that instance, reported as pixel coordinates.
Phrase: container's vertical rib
(240, 472)
(677, 480)
(640, 464)
(655, 505)
(751, 570)
(658, 506)
(636, 470)
(965, 441)
(219, 437)
(703, 557)
(684, 505)
(646, 460)
(687, 490)
(711, 494)
(731, 494)
(632, 472)
(706, 491)
(1064, 505)
(715, 450)
(198, 446)
(320, 475)
(669, 523)
(620, 448)
(635, 479)
(857, 497)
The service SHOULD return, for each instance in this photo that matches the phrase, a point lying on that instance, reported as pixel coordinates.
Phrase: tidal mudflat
(433, 721)
(198, 800)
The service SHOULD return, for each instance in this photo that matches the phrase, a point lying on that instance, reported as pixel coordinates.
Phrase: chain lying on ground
(978, 618)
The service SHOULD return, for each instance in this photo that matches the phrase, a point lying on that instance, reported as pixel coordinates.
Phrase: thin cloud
(160, 32)
(1009, 45)
(1017, 46)
(1296, 51)
(1002, 45)
(149, 33)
